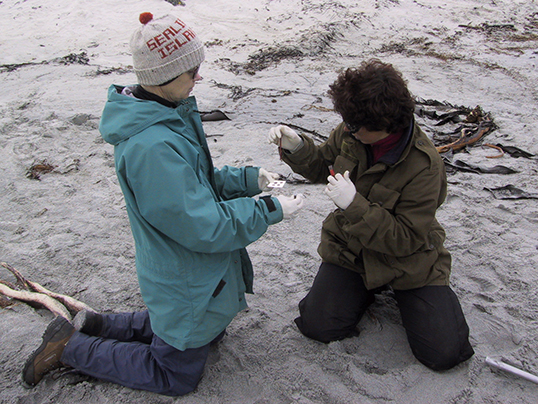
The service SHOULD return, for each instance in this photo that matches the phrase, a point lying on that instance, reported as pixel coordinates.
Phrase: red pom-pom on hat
(145, 18)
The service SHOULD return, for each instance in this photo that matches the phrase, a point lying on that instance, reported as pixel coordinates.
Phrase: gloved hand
(265, 177)
(290, 204)
(341, 190)
(284, 137)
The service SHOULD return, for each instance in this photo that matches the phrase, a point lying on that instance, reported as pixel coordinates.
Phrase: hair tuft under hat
(164, 48)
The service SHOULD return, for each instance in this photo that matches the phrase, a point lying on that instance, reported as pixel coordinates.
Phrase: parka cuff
(357, 209)
(251, 177)
(272, 209)
(301, 153)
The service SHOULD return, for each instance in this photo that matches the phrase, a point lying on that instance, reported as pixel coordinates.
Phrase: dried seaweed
(263, 58)
(237, 92)
(36, 169)
(5, 302)
(14, 66)
(294, 179)
(105, 72)
(74, 58)
(313, 43)
(471, 168)
(453, 127)
(511, 192)
(490, 28)
(315, 134)
(515, 151)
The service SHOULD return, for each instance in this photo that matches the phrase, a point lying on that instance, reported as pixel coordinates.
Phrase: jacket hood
(125, 116)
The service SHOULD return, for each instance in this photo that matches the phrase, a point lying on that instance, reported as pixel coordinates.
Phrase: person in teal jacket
(190, 221)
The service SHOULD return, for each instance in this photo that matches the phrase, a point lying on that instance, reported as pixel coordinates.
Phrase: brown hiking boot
(47, 356)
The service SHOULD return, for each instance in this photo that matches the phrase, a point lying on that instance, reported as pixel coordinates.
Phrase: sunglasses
(352, 128)
(192, 72)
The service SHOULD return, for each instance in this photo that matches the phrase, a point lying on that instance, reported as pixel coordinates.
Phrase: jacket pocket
(219, 288)
(383, 196)
(416, 268)
(334, 243)
(379, 269)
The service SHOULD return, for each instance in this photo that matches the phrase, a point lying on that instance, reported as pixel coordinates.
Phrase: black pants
(432, 317)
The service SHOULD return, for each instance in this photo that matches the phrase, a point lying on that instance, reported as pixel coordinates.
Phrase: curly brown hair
(374, 96)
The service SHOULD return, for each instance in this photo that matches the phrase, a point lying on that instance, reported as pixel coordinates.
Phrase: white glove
(284, 137)
(341, 190)
(265, 178)
(290, 204)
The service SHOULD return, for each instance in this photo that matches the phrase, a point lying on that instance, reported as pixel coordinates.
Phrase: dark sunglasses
(193, 72)
(352, 128)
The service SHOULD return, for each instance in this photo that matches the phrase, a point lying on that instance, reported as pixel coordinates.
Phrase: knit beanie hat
(164, 48)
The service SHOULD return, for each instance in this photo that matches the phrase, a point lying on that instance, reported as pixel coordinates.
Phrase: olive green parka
(389, 233)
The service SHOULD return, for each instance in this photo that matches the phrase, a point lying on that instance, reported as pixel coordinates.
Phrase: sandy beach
(270, 62)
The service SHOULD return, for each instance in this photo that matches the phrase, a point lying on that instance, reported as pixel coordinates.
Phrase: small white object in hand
(276, 184)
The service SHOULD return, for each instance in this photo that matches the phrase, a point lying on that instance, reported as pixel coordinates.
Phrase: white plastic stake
(511, 369)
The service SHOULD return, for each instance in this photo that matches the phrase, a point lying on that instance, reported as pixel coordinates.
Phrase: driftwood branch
(33, 292)
(21, 282)
(69, 302)
(52, 304)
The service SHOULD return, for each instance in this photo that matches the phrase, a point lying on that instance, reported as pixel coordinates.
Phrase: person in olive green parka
(387, 180)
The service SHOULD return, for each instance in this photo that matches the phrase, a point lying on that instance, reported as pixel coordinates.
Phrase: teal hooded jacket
(190, 221)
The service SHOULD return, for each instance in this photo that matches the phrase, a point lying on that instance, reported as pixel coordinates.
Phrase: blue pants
(431, 315)
(130, 354)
